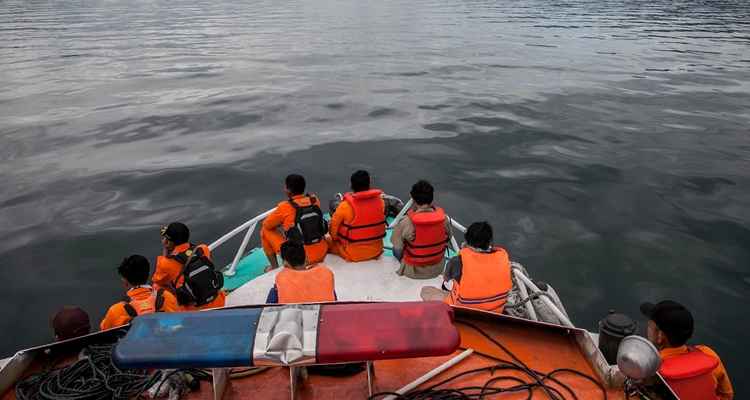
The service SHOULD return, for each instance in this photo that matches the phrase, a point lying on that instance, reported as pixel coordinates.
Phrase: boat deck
(541, 347)
(373, 280)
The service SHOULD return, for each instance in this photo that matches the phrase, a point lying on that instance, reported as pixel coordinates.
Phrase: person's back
(480, 275)
(420, 239)
(168, 274)
(299, 216)
(358, 225)
(140, 298)
(694, 372)
(299, 283)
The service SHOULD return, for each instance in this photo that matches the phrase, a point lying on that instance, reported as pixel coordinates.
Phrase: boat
(452, 352)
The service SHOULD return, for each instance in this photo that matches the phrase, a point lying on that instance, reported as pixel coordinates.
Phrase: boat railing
(250, 225)
(526, 286)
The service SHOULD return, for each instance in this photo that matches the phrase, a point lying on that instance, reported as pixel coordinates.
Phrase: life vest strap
(425, 246)
(499, 297)
(370, 239)
(130, 310)
(435, 254)
(353, 227)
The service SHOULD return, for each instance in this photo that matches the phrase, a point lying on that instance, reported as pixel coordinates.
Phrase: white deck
(374, 280)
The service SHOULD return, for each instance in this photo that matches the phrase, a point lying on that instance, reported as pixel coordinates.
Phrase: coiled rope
(93, 377)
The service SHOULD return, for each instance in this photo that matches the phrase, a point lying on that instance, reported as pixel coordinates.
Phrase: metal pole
(238, 229)
(426, 377)
(401, 213)
(525, 294)
(534, 289)
(458, 226)
(237, 257)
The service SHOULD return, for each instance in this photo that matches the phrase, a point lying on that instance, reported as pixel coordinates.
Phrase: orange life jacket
(690, 375)
(306, 286)
(485, 280)
(430, 238)
(368, 224)
(151, 304)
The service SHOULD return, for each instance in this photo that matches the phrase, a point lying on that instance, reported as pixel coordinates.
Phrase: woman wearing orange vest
(358, 225)
(298, 282)
(480, 275)
(141, 298)
(692, 372)
(285, 217)
(167, 274)
(420, 239)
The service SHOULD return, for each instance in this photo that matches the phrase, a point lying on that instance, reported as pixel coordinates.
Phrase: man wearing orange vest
(693, 372)
(141, 298)
(177, 252)
(299, 215)
(420, 239)
(358, 224)
(480, 274)
(299, 282)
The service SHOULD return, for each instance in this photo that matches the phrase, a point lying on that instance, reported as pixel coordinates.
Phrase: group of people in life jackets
(184, 279)
(479, 277)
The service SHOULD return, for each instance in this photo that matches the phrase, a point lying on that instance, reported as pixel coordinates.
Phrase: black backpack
(201, 281)
(309, 225)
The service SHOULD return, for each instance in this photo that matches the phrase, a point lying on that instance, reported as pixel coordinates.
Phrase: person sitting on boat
(480, 275)
(358, 225)
(299, 282)
(181, 259)
(420, 239)
(71, 322)
(693, 372)
(140, 298)
(300, 217)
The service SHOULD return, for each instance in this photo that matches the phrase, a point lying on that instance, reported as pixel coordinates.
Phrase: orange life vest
(430, 238)
(147, 305)
(690, 375)
(368, 224)
(485, 280)
(306, 286)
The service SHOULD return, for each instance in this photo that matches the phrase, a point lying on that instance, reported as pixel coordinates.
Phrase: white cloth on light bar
(286, 335)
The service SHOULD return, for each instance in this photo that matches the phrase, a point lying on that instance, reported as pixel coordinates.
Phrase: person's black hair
(135, 269)
(479, 235)
(177, 232)
(360, 181)
(295, 184)
(293, 252)
(422, 193)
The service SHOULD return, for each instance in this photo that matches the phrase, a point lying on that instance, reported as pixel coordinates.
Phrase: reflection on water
(606, 141)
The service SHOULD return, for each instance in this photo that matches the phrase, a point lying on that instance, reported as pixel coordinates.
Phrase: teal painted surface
(252, 265)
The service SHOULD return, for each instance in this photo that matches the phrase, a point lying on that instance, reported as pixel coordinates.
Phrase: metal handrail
(250, 225)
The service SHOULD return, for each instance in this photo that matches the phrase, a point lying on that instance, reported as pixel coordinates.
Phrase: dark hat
(176, 232)
(672, 318)
(71, 322)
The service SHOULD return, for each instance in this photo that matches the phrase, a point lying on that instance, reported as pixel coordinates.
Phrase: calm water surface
(606, 141)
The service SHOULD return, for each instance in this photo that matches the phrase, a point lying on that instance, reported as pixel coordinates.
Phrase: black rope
(491, 387)
(93, 377)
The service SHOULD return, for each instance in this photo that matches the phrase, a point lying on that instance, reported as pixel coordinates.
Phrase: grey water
(606, 141)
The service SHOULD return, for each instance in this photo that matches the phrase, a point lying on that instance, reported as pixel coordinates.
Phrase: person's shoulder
(116, 309)
(707, 350)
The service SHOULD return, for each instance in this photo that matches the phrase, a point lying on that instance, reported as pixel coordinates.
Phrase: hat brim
(647, 309)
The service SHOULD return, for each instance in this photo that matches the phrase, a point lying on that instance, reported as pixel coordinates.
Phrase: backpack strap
(159, 303)
(184, 259)
(130, 310)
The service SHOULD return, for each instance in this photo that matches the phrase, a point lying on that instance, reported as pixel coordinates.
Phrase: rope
(93, 377)
(490, 387)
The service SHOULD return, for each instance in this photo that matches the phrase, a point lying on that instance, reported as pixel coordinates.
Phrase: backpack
(309, 225)
(201, 281)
